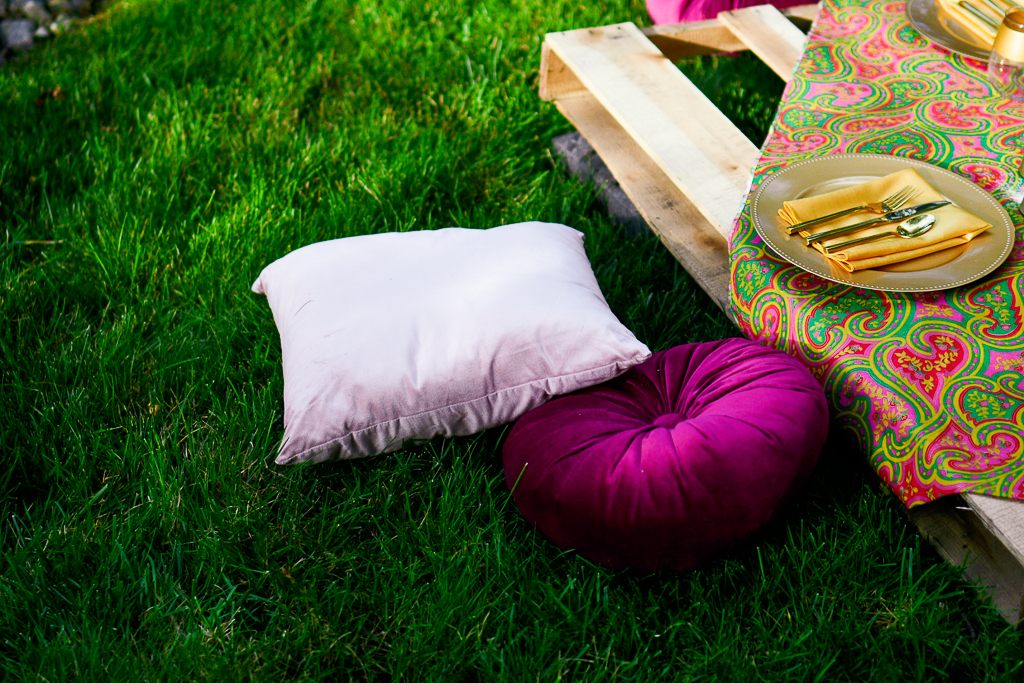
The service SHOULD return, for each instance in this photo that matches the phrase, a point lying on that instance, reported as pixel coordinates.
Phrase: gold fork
(890, 203)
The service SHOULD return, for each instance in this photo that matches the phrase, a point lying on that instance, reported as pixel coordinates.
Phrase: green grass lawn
(174, 149)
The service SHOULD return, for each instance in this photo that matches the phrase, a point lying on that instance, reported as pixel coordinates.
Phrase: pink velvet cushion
(674, 461)
(398, 336)
(677, 11)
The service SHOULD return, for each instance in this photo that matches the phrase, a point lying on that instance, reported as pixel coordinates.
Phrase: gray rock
(31, 9)
(36, 11)
(16, 34)
(583, 162)
(79, 7)
(24, 22)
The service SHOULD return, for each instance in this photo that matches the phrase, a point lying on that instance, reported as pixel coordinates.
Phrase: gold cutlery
(891, 203)
(890, 217)
(912, 227)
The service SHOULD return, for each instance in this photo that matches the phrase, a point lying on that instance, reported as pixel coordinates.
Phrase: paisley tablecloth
(931, 383)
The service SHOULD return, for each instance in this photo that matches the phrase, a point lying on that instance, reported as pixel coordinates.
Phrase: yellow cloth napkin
(953, 226)
(983, 32)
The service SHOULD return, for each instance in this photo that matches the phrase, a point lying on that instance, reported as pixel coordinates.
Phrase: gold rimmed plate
(816, 176)
(939, 27)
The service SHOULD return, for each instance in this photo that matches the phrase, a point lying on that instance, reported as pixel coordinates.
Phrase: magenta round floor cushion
(673, 462)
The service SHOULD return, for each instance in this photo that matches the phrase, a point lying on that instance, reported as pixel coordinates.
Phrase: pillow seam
(327, 444)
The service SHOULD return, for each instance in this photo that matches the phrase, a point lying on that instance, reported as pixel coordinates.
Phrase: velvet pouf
(674, 461)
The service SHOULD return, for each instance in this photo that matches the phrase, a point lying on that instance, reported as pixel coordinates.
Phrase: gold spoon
(912, 227)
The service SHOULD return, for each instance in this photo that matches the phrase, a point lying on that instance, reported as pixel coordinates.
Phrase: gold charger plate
(939, 27)
(824, 174)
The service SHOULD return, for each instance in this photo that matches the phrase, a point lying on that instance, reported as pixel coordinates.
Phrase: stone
(25, 22)
(16, 34)
(59, 6)
(583, 162)
(31, 9)
(36, 11)
(79, 7)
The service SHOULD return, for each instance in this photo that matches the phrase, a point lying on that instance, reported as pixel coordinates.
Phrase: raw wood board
(686, 167)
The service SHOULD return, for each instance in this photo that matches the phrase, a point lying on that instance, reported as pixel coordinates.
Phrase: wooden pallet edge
(988, 547)
(675, 41)
(769, 35)
(688, 235)
(1004, 517)
(678, 41)
(675, 124)
(965, 539)
(557, 81)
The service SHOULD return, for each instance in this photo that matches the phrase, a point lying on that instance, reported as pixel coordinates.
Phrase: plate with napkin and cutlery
(967, 27)
(944, 231)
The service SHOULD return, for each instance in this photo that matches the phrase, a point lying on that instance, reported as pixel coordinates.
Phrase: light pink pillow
(412, 335)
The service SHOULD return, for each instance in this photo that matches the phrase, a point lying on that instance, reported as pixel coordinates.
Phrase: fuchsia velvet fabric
(674, 461)
(678, 11)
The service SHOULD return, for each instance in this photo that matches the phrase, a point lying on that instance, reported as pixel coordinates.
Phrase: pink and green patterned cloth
(931, 383)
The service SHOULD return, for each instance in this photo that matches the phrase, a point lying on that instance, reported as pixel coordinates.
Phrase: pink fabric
(674, 461)
(397, 336)
(678, 11)
(930, 382)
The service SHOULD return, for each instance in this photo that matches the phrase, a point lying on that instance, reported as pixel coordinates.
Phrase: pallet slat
(966, 539)
(691, 238)
(769, 35)
(677, 41)
(1005, 517)
(667, 115)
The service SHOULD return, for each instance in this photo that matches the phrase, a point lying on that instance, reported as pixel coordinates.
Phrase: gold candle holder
(1009, 42)
(1006, 63)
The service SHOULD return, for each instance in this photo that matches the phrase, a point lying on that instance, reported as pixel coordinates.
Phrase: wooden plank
(965, 538)
(678, 41)
(694, 242)
(769, 35)
(557, 81)
(802, 14)
(1005, 517)
(677, 127)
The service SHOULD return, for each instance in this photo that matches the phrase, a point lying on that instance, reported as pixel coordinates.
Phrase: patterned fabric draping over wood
(931, 383)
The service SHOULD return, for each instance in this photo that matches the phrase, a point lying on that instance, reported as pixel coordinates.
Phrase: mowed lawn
(171, 150)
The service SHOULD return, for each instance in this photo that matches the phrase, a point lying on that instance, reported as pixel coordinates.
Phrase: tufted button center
(669, 420)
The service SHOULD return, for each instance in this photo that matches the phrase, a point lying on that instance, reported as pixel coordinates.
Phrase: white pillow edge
(580, 379)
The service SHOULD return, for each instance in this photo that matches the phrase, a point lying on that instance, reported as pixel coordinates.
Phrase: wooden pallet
(687, 169)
